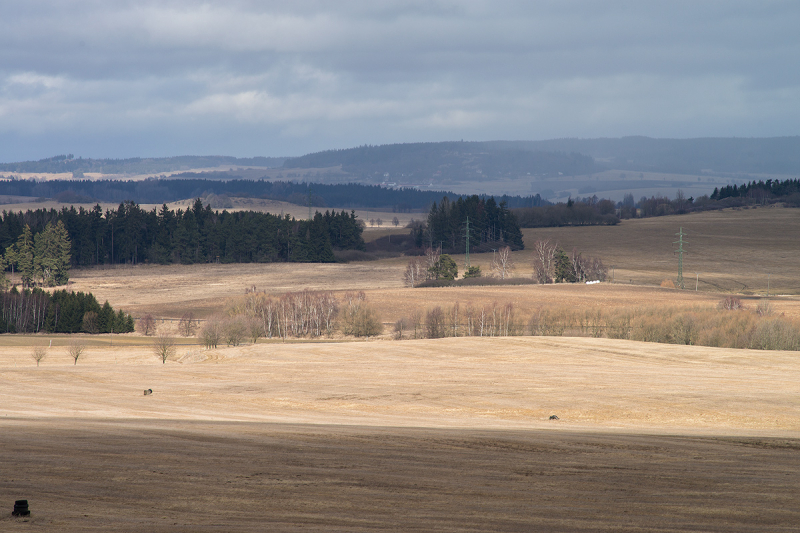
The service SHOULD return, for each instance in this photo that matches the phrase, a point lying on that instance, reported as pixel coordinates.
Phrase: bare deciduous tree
(254, 329)
(39, 353)
(358, 319)
(578, 265)
(75, 348)
(234, 331)
(164, 346)
(502, 263)
(416, 322)
(187, 325)
(434, 323)
(453, 317)
(595, 269)
(396, 221)
(544, 251)
(211, 333)
(431, 259)
(399, 327)
(147, 325)
(415, 272)
(91, 323)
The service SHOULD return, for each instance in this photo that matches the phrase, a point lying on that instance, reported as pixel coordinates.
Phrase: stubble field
(420, 435)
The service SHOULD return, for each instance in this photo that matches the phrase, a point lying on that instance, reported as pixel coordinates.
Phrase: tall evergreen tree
(23, 255)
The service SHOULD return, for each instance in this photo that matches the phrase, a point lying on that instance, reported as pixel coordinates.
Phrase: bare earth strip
(432, 435)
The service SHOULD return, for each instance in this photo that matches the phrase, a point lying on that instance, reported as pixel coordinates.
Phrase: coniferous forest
(131, 235)
(490, 225)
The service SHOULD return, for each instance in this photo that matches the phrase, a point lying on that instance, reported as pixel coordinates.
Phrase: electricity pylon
(680, 242)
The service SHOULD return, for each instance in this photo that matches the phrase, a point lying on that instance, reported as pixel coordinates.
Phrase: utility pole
(680, 242)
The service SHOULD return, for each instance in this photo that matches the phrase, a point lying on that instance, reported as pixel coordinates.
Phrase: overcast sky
(118, 78)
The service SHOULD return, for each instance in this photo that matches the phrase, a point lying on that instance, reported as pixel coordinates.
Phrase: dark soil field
(237, 477)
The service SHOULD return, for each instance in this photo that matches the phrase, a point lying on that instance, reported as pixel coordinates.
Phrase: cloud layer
(124, 78)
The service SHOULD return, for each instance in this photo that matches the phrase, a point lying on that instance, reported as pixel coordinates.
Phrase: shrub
(358, 319)
(730, 303)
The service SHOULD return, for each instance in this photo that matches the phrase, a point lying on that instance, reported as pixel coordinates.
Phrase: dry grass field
(418, 435)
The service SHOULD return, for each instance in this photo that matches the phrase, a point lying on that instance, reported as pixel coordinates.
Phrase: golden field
(429, 435)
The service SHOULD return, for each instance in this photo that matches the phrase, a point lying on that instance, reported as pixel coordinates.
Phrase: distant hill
(465, 161)
(135, 165)
(731, 155)
(462, 161)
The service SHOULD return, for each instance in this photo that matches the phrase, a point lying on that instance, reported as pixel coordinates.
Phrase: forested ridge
(195, 185)
(134, 165)
(416, 162)
(130, 234)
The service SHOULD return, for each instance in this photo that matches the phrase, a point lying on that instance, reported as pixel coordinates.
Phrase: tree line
(35, 310)
(759, 190)
(293, 314)
(723, 326)
(198, 234)
(195, 185)
(594, 211)
(586, 212)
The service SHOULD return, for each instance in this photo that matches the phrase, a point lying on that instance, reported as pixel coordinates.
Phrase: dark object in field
(148, 392)
(553, 417)
(21, 508)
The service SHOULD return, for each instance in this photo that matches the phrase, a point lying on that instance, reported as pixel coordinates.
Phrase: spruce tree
(564, 272)
(24, 256)
(62, 253)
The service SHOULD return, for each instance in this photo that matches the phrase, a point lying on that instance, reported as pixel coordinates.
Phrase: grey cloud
(308, 75)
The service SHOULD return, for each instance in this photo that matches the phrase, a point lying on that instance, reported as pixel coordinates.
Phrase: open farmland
(733, 252)
(448, 435)
(427, 435)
